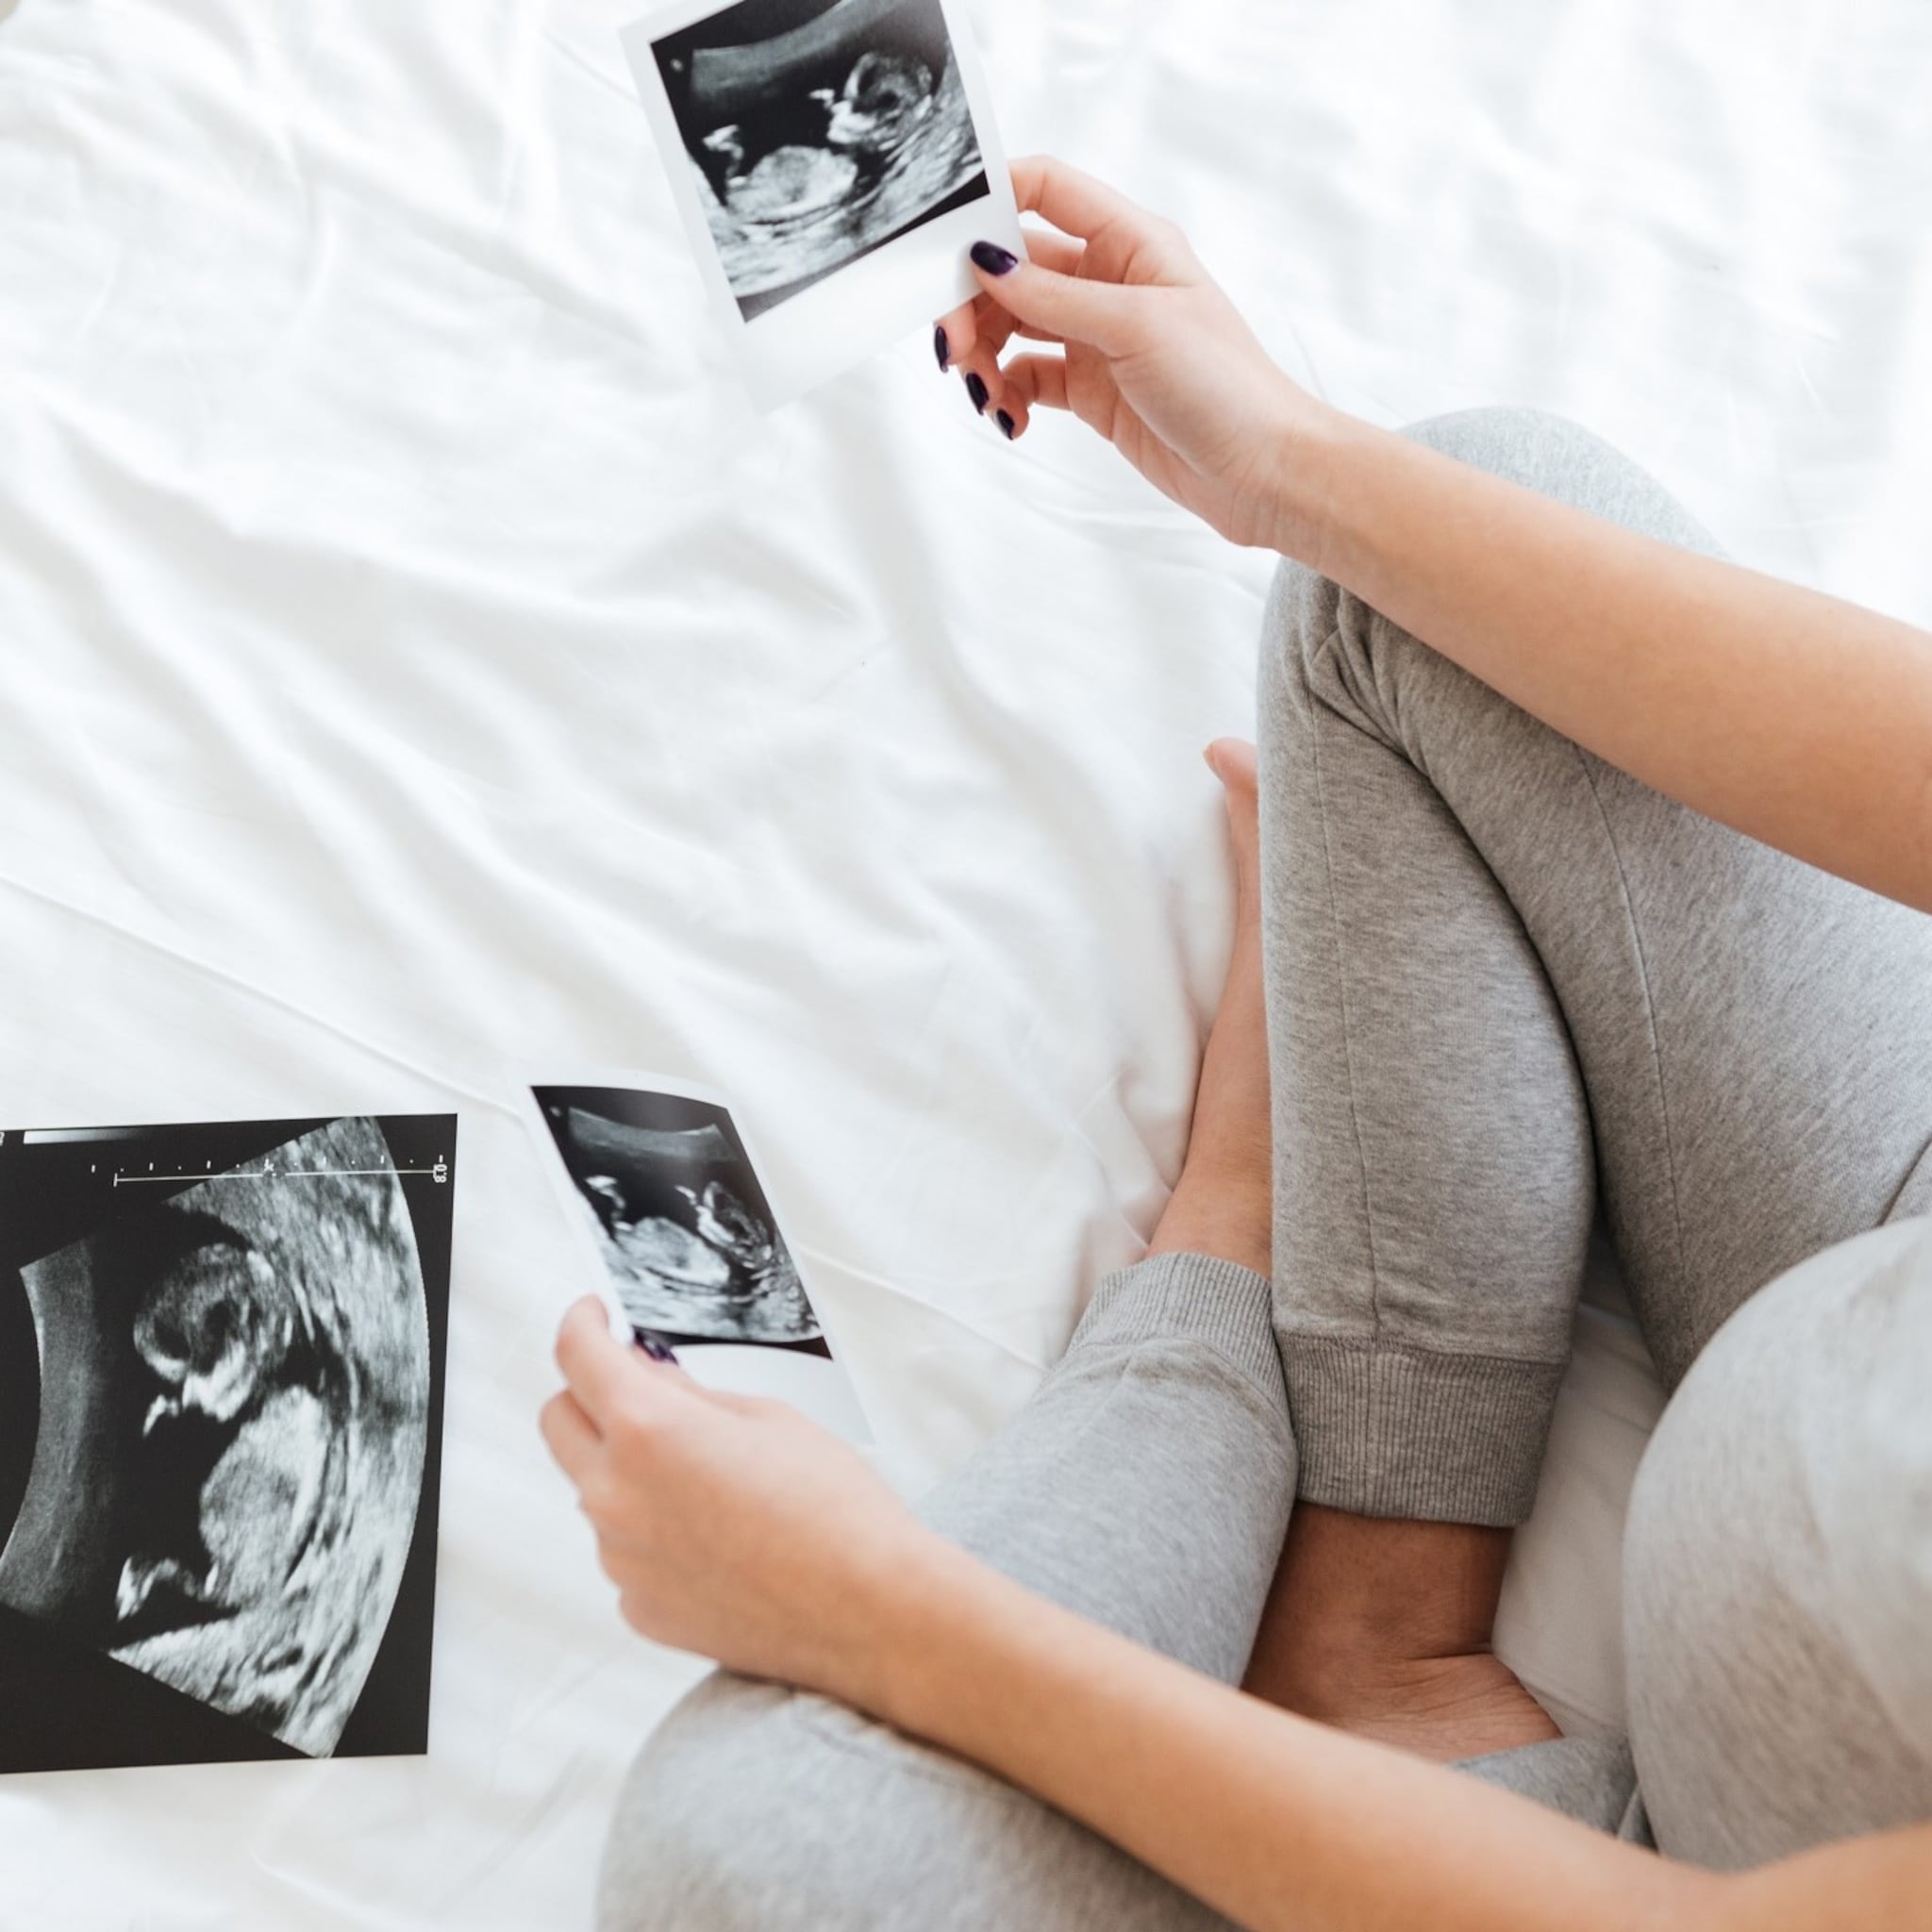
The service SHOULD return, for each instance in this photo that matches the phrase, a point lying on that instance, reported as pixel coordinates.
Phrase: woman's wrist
(1317, 455)
(922, 1642)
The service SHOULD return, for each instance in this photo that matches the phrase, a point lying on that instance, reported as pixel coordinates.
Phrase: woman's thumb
(1071, 306)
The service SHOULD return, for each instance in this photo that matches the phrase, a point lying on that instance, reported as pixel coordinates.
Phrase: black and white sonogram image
(220, 1388)
(818, 130)
(689, 1240)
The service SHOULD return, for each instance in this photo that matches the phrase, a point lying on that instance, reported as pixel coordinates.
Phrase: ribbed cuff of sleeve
(1387, 1431)
(1188, 1297)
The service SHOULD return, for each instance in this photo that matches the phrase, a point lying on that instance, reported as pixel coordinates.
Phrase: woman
(1610, 893)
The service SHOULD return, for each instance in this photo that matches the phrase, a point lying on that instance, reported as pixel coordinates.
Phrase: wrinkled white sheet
(421, 664)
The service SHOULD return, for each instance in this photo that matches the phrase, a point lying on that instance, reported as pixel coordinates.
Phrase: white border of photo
(826, 329)
(817, 1386)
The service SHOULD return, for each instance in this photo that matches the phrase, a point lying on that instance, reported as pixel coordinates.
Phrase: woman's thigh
(757, 1809)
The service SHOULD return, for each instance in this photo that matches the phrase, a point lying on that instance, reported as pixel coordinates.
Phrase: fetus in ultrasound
(213, 1329)
(233, 1388)
(818, 143)
(689, 1240)
(885, 97)
(829, 144)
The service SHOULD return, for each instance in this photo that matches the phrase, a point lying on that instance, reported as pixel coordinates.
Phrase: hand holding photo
(833, 161)
(659, 1180)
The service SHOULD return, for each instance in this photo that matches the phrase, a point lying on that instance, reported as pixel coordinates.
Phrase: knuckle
(599, 1497)
(632, 1431)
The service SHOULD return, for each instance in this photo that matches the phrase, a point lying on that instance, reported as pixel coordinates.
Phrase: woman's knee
(725, 1818)
(756, 1809)
(1561, 460)
(1324, 645)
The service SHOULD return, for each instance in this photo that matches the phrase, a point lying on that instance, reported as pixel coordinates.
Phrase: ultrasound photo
(220, 1388)
(818, 130)
(689, 1240)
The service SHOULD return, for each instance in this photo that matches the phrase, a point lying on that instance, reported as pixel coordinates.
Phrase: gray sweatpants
(1508, 986)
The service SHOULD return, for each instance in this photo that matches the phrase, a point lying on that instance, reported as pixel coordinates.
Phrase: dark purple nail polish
(994, 259)
(1006, 422)
(975, 391)
(942, 354)
(658, 1351)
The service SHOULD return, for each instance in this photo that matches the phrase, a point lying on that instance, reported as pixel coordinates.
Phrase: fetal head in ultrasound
(234, 1411)
(818, 130)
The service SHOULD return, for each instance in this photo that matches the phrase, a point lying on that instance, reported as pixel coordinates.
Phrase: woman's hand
(733, 1526)
(1156, 358)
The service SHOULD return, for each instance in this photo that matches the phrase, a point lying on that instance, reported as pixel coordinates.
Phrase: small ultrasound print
(818, 132)
(832, 163)
(220, 1385)
(689, 1242)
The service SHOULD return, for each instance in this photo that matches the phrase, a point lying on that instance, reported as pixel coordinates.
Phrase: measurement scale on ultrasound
(269, 1171)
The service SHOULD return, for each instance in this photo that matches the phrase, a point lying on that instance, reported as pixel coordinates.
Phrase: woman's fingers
(607, 1376)
(571, 1436)
(1070, 199)
(1060, 252)
(1030, 382)
(1023, 384)
(955, 335)
(595, 1364)
(1071, 307)
(980, 327)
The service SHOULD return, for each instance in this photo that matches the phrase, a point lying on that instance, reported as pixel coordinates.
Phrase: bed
(424, 668)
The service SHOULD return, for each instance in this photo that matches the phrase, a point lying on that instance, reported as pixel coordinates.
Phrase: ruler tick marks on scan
(439, 1173)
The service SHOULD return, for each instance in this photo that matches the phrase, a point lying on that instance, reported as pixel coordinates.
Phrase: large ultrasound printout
(221, 1402)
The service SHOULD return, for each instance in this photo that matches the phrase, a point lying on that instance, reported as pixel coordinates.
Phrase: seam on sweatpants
(1328, 645)
(1382, 1349)
(1904, 1187)
(1656, 1058)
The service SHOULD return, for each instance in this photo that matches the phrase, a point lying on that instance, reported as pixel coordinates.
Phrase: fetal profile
(221, 1379)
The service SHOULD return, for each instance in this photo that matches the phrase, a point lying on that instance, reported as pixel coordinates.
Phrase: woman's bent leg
(1146, 1486)
(1501, 973)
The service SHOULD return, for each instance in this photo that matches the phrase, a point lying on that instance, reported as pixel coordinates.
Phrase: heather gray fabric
(1777, 1567)
(1497, 971)
(1147, 1485)
(1501, 973)
(1778, 1584)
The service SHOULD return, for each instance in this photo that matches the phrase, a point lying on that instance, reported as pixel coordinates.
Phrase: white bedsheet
(421, 664)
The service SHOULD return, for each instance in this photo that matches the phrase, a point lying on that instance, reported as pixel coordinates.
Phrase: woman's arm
(1279, 1823)
(735, 1529)
(1801, 720)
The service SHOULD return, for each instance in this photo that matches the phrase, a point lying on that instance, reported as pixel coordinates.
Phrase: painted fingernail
(942, 354)
(658, 1351)
(975, 390)
(1006, 422)
(994, 259)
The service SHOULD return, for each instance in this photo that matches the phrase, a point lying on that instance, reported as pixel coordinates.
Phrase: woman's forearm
(1798, 719)
(1273, 1820)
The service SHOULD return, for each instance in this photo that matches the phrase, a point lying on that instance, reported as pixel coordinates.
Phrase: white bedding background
(421, 664)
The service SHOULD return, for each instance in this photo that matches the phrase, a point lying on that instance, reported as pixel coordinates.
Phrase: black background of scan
(65, 1707)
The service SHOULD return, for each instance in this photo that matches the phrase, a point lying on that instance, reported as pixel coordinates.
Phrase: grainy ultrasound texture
(834, 129)
(689, 1240)
(245, 1369)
